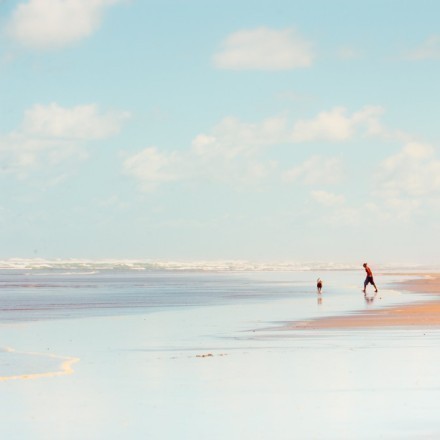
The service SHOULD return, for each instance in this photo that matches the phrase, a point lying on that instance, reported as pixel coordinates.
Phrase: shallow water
(195, 355)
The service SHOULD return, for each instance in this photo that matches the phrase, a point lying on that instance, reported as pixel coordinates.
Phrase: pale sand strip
(65, 367)
(426, 314)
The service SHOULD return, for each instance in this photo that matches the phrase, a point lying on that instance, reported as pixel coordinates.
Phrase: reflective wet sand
(231, 367)
(418, 314)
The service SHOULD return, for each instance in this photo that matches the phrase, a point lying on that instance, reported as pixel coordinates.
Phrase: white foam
(88, 266)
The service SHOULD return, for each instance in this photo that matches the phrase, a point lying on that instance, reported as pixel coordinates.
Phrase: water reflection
(370, 299)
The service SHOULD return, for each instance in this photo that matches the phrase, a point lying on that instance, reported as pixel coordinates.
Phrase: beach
(418, 314)
(237, 355)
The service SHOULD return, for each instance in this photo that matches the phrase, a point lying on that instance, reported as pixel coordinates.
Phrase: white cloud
(316, 170)
(232, 138)
(337, 125)
(52, 134)
(264, 49)
(337, 211)
(230, 153)
(46, 24)
(20, 154)
(414, 172)
(236, 152)
(327, 199)
(406, 184)
(80, 122)
(428, 50)
(151, 167)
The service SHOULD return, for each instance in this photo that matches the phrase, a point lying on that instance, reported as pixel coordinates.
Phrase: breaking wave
(90, 267)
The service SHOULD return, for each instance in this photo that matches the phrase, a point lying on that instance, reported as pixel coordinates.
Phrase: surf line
(64, 369)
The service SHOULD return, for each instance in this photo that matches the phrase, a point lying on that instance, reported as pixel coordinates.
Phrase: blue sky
(258, 130)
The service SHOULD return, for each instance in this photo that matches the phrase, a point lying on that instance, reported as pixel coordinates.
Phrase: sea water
(112, 350)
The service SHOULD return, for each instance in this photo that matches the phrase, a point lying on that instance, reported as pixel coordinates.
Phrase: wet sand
(16, 365)
(426, 283)
(417, 315)
(217, 370)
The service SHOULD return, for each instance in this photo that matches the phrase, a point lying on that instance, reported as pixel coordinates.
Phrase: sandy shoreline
(424, 314)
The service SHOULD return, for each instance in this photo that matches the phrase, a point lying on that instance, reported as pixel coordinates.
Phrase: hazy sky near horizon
(259, 130)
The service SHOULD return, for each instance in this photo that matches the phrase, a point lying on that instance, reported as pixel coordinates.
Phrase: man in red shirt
(369, 278)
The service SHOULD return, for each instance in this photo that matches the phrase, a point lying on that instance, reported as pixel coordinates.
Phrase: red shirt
(368, 270)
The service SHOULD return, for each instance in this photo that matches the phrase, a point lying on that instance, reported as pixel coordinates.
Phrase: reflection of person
(319, 285)
(369, 279)
(370, 299)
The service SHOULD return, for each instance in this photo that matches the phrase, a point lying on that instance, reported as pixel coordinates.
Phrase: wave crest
(84, 266)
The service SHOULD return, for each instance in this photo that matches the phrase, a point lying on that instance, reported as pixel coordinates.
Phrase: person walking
(369, 279)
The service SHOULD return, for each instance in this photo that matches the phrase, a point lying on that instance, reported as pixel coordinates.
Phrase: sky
(245, 130)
